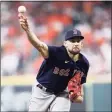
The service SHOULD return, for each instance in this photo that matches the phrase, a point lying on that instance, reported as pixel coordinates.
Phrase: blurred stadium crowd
(50, 21)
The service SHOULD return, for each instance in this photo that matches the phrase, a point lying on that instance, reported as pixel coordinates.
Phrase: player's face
(74, 46)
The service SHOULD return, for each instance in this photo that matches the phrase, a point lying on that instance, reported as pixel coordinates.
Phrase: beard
(75, 51)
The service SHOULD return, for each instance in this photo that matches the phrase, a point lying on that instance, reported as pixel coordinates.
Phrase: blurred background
(20, 61)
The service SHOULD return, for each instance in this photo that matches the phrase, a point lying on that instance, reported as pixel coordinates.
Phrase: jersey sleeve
(52, 50)
(83, 67)
(85, 70)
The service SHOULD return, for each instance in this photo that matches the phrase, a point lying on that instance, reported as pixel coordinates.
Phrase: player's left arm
(76, 92)
(79, 98)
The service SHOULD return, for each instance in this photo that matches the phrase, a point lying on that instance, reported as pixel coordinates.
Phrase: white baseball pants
(44, 101)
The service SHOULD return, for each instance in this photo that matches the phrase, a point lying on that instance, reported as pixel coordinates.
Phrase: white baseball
(21, 9)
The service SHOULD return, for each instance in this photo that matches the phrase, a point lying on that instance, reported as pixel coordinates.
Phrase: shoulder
(84, 64)
(56, 52)
(56, 48)
(84, 59)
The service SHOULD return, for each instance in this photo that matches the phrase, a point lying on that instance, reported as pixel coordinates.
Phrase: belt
(45, 89)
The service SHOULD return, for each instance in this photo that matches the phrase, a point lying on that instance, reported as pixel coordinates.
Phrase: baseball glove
(74, 86)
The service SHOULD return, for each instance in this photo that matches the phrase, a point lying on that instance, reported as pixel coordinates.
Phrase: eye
(73, 41)
(78, 40)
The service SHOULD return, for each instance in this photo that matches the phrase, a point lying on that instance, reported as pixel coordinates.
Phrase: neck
(76, 57)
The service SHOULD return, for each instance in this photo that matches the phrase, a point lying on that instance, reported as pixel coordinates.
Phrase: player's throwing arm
(39, 45)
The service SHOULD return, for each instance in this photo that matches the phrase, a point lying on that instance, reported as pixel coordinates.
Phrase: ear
(82, 44)
(64, 43)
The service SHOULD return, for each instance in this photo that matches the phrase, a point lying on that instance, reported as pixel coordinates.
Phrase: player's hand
(23, 22)
(77, 98)
(72, 96)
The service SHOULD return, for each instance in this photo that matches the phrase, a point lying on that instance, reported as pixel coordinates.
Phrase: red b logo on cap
(74, 31)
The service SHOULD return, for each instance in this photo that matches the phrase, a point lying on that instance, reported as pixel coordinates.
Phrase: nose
(76, 43)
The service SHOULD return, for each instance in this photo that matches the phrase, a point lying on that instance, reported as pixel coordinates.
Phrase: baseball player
(60, 79)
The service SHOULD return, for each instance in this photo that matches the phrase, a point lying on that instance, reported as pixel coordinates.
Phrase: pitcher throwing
(60, 79)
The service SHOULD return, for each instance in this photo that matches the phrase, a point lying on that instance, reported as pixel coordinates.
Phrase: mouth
(75, 49)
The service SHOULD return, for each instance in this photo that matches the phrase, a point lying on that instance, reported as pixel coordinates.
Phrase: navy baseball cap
(71, 34)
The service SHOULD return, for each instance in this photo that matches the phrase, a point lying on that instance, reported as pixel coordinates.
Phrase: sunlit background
(20, 61)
